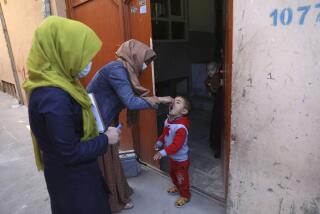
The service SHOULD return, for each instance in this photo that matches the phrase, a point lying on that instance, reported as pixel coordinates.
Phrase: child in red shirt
(174, 139)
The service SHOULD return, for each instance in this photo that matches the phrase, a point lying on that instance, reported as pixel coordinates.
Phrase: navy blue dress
(74, 180)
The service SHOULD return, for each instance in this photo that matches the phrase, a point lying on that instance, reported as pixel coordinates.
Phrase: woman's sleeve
(60, 127)
(120, 83)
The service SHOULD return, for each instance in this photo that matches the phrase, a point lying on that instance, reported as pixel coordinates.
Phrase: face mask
(144, 66)
(85, 71)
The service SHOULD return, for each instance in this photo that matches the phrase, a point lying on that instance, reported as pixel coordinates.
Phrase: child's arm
(177, 143)
(160, 141)
(161, 138)
(157, 156)
(158, 145)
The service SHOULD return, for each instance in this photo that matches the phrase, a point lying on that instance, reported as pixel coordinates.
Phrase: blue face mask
(144, 66)
(85, 71)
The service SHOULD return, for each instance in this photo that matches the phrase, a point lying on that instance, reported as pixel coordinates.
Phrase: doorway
(189, 37)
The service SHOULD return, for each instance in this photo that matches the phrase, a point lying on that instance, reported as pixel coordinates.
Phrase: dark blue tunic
(71, 170)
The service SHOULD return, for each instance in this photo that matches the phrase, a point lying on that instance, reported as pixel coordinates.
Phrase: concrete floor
(205, 171)
(23, 189)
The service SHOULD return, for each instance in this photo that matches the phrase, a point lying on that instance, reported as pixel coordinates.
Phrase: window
(168, 20)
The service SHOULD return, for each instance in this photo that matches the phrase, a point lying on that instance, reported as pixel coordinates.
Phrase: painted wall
(22, 17)
(275, 153)
(5, 66)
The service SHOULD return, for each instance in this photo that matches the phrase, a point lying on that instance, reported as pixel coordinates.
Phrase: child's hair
(187, 104)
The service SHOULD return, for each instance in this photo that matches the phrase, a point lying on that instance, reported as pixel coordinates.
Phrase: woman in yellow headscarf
(65, 137)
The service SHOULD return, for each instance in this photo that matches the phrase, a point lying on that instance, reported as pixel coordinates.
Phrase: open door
(116, 21)
(145, 133)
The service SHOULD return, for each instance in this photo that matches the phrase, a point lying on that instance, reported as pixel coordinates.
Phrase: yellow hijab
(61, 49)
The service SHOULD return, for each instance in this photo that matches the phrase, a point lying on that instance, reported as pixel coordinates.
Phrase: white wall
(275, 155)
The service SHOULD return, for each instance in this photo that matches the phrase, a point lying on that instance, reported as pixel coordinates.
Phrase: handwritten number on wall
(285, 16)
(318, 16)
(274, 14)
(304, 10)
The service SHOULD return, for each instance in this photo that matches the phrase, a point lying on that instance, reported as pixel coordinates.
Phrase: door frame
(127, 33)
(228, 92)
(226, 137)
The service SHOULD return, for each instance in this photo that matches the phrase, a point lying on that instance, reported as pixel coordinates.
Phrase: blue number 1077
(285, 16)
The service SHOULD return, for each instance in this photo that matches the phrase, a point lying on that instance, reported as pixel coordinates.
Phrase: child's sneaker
(181, 201)
(173, 190)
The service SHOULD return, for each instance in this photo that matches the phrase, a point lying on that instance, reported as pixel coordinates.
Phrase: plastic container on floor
(130, 165)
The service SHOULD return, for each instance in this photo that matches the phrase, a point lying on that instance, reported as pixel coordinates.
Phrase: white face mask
(86, 70)
(144, 66)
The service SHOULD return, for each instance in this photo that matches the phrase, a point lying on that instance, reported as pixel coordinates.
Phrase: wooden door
(140, 29)
(116, 21)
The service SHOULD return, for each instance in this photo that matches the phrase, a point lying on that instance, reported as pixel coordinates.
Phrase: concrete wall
(275, 153)
(22, 17)
(5, 66)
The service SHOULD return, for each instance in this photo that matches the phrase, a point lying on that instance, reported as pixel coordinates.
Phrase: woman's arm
(60, 128)
(119, 81)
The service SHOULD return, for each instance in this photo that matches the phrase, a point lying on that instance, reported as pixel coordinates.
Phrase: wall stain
(304, 98)
(310, 207)
(276, 163)
(244, 93)
(280, 205)
(293, 209)
(280, 185)
(270, 76)
(250, 82)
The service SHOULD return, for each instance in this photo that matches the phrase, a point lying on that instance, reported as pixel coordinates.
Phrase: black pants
(217, 122)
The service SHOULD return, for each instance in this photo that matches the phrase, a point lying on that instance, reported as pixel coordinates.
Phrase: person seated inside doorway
(213, 84)
(174, 140)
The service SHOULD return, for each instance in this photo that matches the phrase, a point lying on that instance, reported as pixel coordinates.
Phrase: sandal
(173, 190)
(181, 201)
(128, 205)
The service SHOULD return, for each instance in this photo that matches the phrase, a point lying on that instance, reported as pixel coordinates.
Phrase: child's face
(211, 69)
(177, 108)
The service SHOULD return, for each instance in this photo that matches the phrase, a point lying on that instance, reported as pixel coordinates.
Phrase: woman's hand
(113, 135)
(166, 100)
